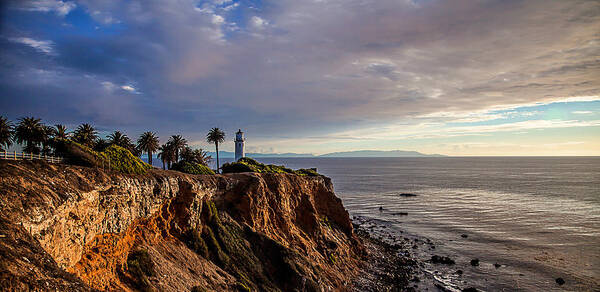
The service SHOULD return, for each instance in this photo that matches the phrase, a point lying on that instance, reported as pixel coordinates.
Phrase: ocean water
(538, 218)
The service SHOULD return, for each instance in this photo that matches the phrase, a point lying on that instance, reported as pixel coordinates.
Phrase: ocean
(537, 218)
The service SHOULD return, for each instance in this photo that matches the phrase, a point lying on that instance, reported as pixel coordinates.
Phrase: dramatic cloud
(287, 69)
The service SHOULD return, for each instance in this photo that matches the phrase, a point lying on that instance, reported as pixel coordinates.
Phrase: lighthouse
(239, 145)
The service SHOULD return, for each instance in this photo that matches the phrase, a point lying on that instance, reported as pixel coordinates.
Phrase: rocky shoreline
(385, 268)
(400, 262)
(79, 229)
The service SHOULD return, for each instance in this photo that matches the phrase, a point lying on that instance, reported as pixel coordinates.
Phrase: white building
(239, 145)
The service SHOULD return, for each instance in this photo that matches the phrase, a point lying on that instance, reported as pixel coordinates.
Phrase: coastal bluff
(72, 228)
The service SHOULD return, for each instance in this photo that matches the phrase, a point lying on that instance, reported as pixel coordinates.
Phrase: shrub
(78, 154)
(191, 168)
(247, 164)
(237, 167)
(122, 160)
(307, 172)
(140, 266)
(118, 158)
(196, 243)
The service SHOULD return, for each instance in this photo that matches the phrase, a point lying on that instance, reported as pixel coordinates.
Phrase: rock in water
(497, 265)
(470, 289)
(407, 195)
(464, 236)
(442, 260)
(560, 281)
(400, 214)
(475, 262)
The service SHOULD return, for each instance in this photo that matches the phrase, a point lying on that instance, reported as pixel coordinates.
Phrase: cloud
(59, 7)
(319, 68)
(217, 19)
(45, 47)
(525, 125)
(258, 22)
(582, 112)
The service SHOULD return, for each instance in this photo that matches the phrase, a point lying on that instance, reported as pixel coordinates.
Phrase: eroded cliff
(74, 228)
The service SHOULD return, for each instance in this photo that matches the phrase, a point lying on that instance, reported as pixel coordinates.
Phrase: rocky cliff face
(73, 228)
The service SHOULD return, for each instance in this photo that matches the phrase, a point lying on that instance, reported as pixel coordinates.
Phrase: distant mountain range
(359, 153)
(377, 153)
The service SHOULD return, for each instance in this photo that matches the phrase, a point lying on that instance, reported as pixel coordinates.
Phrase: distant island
(358, 153)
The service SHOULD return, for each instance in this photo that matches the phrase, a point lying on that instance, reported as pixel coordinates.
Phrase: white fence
(29, 156)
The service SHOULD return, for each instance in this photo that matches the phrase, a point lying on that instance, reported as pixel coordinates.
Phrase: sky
(462, 77)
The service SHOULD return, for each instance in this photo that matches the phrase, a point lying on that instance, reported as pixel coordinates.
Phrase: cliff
(73, 228)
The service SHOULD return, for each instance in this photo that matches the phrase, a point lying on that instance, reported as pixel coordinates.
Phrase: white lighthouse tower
(239, 145)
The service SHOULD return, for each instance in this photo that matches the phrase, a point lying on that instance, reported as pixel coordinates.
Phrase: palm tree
(47, 135)
(60, 132)
(148, 142)
(6, 132)
(178, 143)
(29, 131)
(195, 156)
(85, 134)
(167, 154)
(101, 144)
(161, 154)
(216, 136)
(119, 139)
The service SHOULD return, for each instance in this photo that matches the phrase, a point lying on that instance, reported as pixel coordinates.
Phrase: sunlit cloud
(310, 75)
(59, 7)
(45, 47)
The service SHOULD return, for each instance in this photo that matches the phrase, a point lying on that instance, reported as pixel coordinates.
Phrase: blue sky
(450, 77)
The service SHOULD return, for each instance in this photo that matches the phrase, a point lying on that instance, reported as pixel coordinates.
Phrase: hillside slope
(74, 228)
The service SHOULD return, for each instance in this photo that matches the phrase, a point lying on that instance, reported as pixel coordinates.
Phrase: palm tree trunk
(163, 164)
(217, 146)
(150, 157)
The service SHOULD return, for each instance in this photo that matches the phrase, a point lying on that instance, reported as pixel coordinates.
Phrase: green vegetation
(247, 164)
(75, 153)
(114, 157)
(60, 132)
(191, 168)
(216, 136)
(195, 242)
(256, 261)
(307, 172)
(84, 147)
(148, 142)
(140, 267)
(6, 132)
(29, 131)
(122, 160)
(86, 135)
(169, 152)
(195, 156)
(120, 139)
